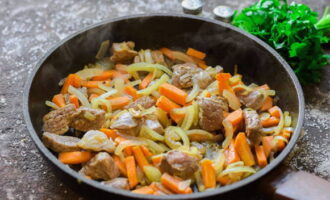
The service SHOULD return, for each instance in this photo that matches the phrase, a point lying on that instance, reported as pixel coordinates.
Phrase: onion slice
(82, 98)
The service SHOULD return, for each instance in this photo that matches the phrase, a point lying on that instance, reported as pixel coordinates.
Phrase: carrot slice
(119, 102)
(146, 151)
(59, 100)
(91, 84)
(267, 144)
(110, 133)
(121, 165)
(175, 94)
(174, 184)
(92, 96)
(167, 52)
(275, 111)
(104, 76)
(144, 190)
(165, 104)
(235, 117)
(243, 149)
(139, 157)
(156, 160)
(224, 180)
(195, 53)
(130, 90)
(269, 122)
(268, 103)
(208, 174)
(72, 79)
(131, 171)
(223, 82)
(74, 100)
(177, 117)
(261, 156)
(231, 154)
(146, 81)
(74, 157)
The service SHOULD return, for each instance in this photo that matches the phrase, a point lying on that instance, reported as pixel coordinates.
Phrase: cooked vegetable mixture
(163, 122)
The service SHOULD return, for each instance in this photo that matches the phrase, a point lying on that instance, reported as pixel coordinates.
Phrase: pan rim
(49, 155)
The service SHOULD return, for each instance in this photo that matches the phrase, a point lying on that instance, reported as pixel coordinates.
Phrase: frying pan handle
(284, 183)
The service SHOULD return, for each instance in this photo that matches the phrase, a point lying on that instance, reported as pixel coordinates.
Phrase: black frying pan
(224, 45)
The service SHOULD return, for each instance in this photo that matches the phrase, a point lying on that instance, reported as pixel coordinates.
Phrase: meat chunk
(125, 123)
(123, 52)
(203, 79)
(96, 141)
(101, 166)
(59, 143)
(145, 102)
(179, 164)
(183, 74)
(211, 113)
(252, 126)
(252, 100)
(152, 122)
(158, 57)
(88, 119)
(57, 121)
(120, 183)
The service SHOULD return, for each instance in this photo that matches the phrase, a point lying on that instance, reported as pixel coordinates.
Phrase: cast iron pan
(224, 45)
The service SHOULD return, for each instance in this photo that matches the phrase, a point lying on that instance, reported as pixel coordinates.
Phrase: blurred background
(28, 28)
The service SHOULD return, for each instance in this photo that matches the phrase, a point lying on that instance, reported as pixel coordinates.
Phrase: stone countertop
(28, 28)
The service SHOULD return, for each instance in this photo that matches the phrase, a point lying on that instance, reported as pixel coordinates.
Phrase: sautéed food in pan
(163, 122)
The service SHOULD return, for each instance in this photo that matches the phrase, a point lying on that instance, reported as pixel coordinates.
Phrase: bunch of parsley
(290, 29)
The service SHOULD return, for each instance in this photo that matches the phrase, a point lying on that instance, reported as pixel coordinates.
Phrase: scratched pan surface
(223, 44)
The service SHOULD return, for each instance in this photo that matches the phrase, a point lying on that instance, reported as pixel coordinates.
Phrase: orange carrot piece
(195, 53)
(92, 96)
(177, 117)
(261, 156)
(202, 65)
(130, 90)
(59, 100)
(231, 154)
(269, 122)
(224, 180)
(268, 103)
(173, 183)
(144, 190)
(225, 114)
(267, 144)
(243, 149)
(156, 160)
(91, 84)
(119, 102)
(167, 52)
(159, 187)
(74, 100)
(146, 151)
(120, 164)
(208, 174)
(110, 133)
(72, 79)
(146, 81)
(165, 104)
(74, 157)
(175, 94)
(207, 94)
(139, 157)
(104, 76)
(131, 171)
(223, 82)
(235, 117)
(274, 111)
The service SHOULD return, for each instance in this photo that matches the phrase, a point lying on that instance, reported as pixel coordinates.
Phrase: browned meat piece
(183, 74)
(59, 143)
(145, 102)
(252, 125)
(158, 57)
(123, 52)
(252, 100)
(211, 113)
(203, 79)
(82, 122)
(57, 121)
(120, 183)
(179, 164)
(152, 122)
(101, 166)
(125, 123)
